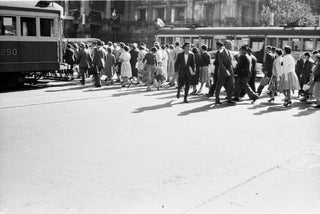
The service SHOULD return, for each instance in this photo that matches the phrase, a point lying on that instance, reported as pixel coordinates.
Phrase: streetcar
(30, 40)
(257, 38)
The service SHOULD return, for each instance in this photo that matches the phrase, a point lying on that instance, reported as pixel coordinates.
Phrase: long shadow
(103, 89)
(132, 92)
(204, 108)
(305, 110)
(71, 89)
(262, 105)
(155, 107)
(167, 91)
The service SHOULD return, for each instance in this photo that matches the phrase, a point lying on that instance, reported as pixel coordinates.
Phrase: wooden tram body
(299, 38)
(30, 40)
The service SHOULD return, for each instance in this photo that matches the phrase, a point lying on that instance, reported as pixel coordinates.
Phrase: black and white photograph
(160, 107)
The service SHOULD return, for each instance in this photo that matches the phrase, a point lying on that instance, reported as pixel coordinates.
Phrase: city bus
(299, 38)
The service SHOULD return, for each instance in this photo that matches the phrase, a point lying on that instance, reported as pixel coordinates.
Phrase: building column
(256, 12)
(66, 7)
(168, 12)
(108, 11)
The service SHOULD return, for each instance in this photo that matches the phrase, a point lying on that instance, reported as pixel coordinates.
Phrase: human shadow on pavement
(207, 107)
(167, 91)
(155, 107)
(103, 89)
(131, 92)
(80, 87)
(279, 107)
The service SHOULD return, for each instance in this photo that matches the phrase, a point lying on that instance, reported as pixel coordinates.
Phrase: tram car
(299, 38)
(30, 40)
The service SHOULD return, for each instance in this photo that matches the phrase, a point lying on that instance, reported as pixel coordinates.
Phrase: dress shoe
(287, 103)
(270, 100)
(254, 99)
(236, 99)
(317, 106)
(178, 95)
(186, 101)
(209, 95)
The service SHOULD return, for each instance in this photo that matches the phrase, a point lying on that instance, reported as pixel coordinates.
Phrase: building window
(8, 26)
(209, 12)
(46, 27)
(28, 26)
(142, 15)
(179, 14)
(160, 13)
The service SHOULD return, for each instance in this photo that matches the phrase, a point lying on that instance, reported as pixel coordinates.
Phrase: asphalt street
(67, 148)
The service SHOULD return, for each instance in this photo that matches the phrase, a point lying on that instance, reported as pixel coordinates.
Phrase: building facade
(135, 21)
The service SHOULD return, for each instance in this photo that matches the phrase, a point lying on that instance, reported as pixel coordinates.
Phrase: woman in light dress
(276, 72)
(126, 72)
(288, 78)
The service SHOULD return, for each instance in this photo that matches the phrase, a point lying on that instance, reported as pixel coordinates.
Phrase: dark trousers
(83, 72)
(228, 83)
(243, 84)
(214, 85)
(185, 81)
(252, 83)
(96, 76)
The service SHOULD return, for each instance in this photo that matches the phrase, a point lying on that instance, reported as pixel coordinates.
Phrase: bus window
(46, 27)
(8, 26)
(296, 44)
(28, 26)
(308, 44)
(161, 40)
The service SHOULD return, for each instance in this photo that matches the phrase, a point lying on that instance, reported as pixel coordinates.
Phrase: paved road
(77, 149)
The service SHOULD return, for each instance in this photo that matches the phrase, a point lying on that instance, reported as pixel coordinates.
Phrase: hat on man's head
(219, 43)
(243, 47)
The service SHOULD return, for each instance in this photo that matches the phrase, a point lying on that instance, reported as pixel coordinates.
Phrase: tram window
(283, 43)
(169, 40)
(296, 44)
(28, 26)
(46, 27)
(308, 44)
(8, 26)
(318, 44)
(272, 42)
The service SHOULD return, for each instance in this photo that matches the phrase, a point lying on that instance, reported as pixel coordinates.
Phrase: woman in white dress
(126, 72)
(288, 79)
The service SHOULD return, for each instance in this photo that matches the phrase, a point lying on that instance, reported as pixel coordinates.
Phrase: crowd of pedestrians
(186, 65)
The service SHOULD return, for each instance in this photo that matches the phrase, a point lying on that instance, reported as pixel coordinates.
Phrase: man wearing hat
(99, 61)
(225, 73)
(267, 67)
(244, 74)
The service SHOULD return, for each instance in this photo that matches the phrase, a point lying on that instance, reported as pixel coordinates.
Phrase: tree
(286, 13)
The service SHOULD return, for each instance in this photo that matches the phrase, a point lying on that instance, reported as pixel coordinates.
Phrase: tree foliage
(285, 12)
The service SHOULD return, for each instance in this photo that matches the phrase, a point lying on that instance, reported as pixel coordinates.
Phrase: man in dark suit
(225, 75)
(244, 73)
(216, 70)
(184, 65)
(99, 61)
(267, 67)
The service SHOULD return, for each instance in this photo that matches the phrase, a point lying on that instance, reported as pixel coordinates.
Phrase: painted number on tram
(8, 52)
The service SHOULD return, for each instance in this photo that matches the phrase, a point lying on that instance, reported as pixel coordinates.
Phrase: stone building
(135, 21)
